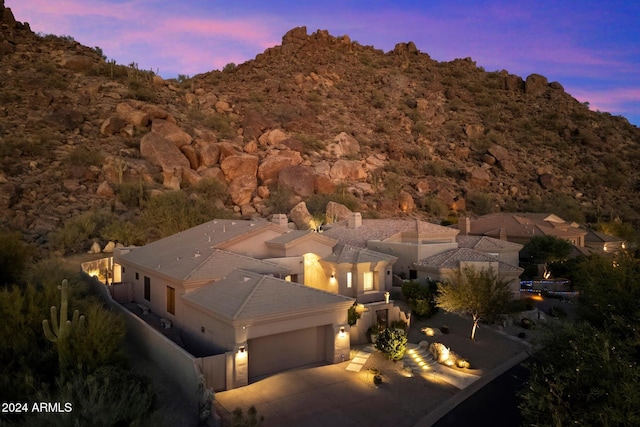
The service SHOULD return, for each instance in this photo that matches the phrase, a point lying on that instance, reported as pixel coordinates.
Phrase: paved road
(495, 404)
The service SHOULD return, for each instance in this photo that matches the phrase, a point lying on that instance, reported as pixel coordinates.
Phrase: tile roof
(347, 254)
(452, 258)
(383, 229)
(292, 235)
(524, 225)
(182, 255)
(486, 243)
(594, 236)
(247, 295)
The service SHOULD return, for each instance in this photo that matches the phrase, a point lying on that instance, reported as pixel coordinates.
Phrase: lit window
(348, 279)
(367, 280)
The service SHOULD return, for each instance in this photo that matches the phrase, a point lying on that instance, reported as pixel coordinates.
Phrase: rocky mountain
(317, 118)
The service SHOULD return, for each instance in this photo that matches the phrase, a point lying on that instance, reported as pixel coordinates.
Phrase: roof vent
(246, 279)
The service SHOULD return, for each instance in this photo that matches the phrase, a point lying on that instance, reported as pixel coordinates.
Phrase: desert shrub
(557, 311)
(433, 205)
(141, 90)
(229, 68)
(526, 323)
(110, 396)
(221, 124)
(392, 342)
(131, 194)
(420, 298)
(14, 255)
(279, 200)
(174, 211)
(212, 189)
(481, 203)
(317, 203)
(82, 156)
(251, 419)
(126, 232)
(75, 234)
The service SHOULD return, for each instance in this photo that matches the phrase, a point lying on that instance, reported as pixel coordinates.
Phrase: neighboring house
(521, 227)
(603, 242)
(503, 250)
(408, 240)
(440, 267)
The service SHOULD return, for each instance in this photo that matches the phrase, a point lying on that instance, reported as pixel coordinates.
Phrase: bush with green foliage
(14, 255)
(420, 298)
(251, 419)
(174, 211)
(75, 234)
(392, 342)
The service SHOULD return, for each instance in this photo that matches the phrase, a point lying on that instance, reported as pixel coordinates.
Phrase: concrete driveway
(338, 395)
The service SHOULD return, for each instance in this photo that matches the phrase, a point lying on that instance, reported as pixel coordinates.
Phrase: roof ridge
(251, 294)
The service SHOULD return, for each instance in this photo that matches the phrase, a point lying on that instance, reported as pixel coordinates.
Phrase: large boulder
(190, 153)
(344, 145)
(478, 177)
(272, 165)
(337, 212)
(171, 132)
(160, 152)
(132, 116)
(207, 149)
(536, 85)
(241, 189)
(347, 170)
(272, 137)
(499, 153)
(301, 217)
(239, 165)
(299, 179)
(405, 202)
(112, 125)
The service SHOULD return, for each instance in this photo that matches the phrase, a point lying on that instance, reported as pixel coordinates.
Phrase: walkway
(422, 363)
(361, 357)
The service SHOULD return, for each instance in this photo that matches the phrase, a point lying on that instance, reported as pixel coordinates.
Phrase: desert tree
(547, 250)
(478, 293)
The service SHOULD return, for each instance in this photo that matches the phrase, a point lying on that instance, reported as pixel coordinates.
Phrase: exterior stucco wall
(408, 253)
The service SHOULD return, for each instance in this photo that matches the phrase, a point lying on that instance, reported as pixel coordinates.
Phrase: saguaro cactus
(60, 330)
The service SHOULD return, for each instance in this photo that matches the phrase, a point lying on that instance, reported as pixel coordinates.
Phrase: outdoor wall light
(333, 276)
(342, 332)
(242, 349)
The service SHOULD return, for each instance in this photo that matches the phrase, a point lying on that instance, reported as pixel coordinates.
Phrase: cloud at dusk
(590, 47)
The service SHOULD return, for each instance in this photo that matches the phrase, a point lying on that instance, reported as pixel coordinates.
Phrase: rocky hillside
(317, 118)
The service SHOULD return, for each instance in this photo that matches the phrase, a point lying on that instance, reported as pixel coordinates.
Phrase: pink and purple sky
(591, 47)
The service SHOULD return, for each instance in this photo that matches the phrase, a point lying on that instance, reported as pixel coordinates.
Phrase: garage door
(275, 353)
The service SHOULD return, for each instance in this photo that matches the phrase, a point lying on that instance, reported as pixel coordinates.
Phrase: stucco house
(276, 297)
(440, 267)
(521, 227)
(409, 240)
(603, 242)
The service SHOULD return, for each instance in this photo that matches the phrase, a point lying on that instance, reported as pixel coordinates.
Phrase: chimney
(503, 234)
(355, 220)
(280, 219)
(464, 225)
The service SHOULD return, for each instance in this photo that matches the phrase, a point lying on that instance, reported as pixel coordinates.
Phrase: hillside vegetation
(90, 149)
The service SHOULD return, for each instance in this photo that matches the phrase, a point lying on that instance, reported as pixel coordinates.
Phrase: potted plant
(377, 376)
(373, 333)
